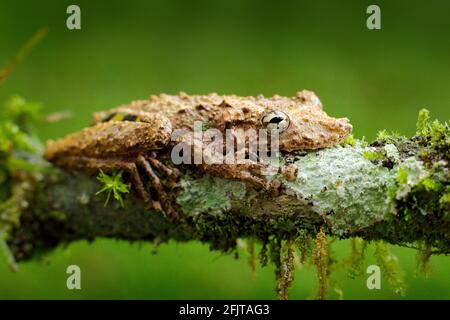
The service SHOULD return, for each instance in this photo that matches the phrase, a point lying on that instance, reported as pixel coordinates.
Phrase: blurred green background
(130, 49)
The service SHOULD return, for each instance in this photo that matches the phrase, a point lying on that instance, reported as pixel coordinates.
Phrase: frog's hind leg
(157, 186)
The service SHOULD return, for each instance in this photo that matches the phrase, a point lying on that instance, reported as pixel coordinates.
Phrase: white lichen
(210, 195)
(409, 174)
(392, 152)
(343, 187)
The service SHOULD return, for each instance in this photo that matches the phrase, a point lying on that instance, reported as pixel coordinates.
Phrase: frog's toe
(161, 200)
(170, 172)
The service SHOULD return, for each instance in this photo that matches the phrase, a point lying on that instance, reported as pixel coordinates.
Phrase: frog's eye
(275, 120)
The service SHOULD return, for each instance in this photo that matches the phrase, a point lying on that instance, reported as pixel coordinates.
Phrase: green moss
(423, 123)
(436, 134)
(445, 200)
(286, 272)
(349, 141)
(390, 268)
(10, 212)
(409, 174)
(275, 245)
(389, 137)
(112, 184)
(333, 264)
(4, 249)
(355, 262)
(430, 184)
(423, 259)
(321, 261)
(251, 256)
(439, 134)
(388, 155)
(418, 189)
(305, 244)
(372, 155)
(20, 159)
(25, 114)
(263, 254)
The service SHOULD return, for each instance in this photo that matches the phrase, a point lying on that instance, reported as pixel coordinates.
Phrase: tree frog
(131, 137)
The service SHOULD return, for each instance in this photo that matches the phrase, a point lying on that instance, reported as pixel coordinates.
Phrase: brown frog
(130, 137)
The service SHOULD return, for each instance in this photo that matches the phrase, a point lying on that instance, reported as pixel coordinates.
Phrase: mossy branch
(396, 190)
(399, 198)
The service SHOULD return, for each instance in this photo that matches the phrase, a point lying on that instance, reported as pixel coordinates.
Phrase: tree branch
(397, 192)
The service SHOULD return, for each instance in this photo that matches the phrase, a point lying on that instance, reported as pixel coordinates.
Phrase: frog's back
(165, 104)
(229, 111)
(182, 109)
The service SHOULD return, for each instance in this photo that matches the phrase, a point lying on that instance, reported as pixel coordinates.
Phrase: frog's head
(304, 125)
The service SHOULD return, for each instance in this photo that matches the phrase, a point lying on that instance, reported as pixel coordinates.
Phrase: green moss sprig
(112, 184)
(434, 134)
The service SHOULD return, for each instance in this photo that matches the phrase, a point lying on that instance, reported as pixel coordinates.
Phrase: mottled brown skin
(127, 145)
(310, 127)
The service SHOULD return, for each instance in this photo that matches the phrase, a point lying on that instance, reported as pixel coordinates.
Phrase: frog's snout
(335, 130)
(344, 126)
(339, 126)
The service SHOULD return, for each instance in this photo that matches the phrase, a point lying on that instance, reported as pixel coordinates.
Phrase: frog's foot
(94, 164)
(156, 185)
(131, 167)
(250, 174)
(171, 173)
